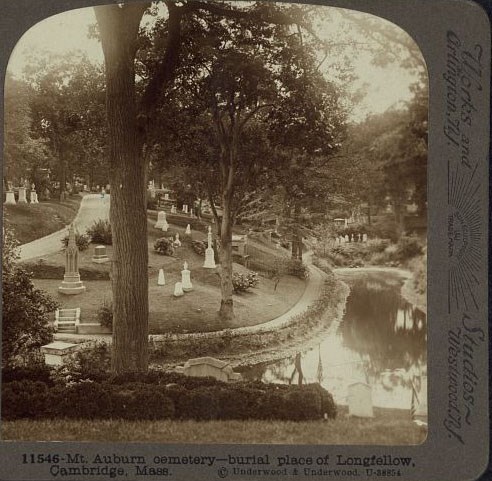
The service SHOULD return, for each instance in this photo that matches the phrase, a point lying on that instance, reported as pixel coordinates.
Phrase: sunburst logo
(464, 234)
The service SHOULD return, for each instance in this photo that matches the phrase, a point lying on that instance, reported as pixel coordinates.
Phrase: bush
(24, 399)
(141, 401)
(89, 363)
(81, 240)
(164, 247)
(199, 247)
(38, 372)
(296, 268)
(242, 282)
(408, 247)
(84, 400)
(26, 311)
(161, 395)
(100, 232)
(105, 315)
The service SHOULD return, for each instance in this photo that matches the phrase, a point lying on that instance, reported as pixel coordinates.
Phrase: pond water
(381, 340)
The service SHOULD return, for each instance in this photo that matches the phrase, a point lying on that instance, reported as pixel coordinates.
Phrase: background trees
(23, 151)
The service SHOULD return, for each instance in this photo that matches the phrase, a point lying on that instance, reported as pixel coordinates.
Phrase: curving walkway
(92, 208)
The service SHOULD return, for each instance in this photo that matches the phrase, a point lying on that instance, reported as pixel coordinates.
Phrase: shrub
(26, 311)
(161, 395)
(88, 363)
(141, 401)
(164, 247)
(199, 247)
(81, 240)
(105, 315)
(38, 372)
(85, 400)
(242, 282)
(24, 399)
(408, 247)
(296, 268)
(100, 232)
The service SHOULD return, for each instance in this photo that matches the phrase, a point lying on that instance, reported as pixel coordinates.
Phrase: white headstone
(209, 252)
(22, 195)
(352, 238)
(186, 278)
(161, 281)
(359, 399)
(359, 237)
(10, 199)
(178, 290)
(177, 242)
(166, 196)
(188, 230)
(161, 218)
(364, 237)
(347, 238)
(165, 226)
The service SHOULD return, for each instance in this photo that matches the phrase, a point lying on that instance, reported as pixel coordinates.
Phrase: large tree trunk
(128, 215)
(226, 311)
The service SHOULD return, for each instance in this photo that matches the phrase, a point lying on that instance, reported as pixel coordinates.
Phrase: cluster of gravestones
(185, 284)
(353, 238)
(10, 196)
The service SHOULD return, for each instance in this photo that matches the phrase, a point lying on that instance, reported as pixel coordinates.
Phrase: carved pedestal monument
(71, 284)
(209, 252)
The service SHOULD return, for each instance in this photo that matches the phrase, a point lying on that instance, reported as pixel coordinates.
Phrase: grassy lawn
(33, 221)
(197, 310)
(383, 429)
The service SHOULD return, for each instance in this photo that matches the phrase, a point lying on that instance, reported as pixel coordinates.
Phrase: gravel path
(91, 209)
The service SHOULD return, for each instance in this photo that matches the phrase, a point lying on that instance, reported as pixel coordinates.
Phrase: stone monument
(33, 195)
(100, 256)
(161, 281)
(360, 400)
(188, 230)
(71, 283)
(165, 225)
(209, 252)
(186, 278)
(161, 218)
(22, 195)
(177, 242)
(178, 290)
(10, 198)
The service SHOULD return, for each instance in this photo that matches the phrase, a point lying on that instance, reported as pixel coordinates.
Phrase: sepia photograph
(215, 228)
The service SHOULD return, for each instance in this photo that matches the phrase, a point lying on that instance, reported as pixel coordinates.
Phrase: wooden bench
(67, 320)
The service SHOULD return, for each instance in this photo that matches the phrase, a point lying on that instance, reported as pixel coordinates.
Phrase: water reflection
(382, 340)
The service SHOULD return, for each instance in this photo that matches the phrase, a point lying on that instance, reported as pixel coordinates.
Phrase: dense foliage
(100, 232)
(164, 395)
(81, 240)
(164, 246)
(25, 310)
(243, 282)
